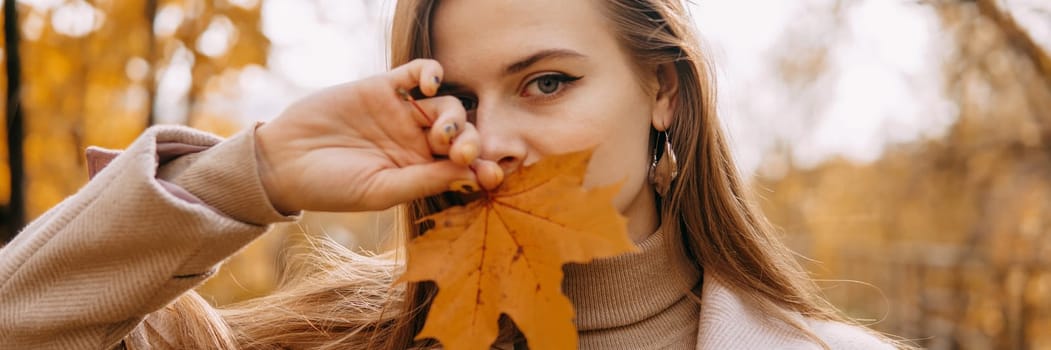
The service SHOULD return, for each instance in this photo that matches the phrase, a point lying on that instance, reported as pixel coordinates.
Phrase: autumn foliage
(945, 240)
(91, 75)
(503, 254)
(91, 72)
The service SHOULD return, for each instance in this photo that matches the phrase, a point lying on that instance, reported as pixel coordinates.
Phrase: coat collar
(729, 321)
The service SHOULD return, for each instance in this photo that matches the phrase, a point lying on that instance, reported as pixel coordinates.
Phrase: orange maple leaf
(503, 254)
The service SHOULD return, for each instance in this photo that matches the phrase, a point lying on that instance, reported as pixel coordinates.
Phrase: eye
(547, 85)
(469, 103)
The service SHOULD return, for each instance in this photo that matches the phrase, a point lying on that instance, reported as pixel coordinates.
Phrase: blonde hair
(348, 301)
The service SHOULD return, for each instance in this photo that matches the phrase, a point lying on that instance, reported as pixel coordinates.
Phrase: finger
(419, 114)
(438, 106)
(452, 120)
(466, 147)
(423, 73)
(421, 180)
(490, 175)
(440, 137)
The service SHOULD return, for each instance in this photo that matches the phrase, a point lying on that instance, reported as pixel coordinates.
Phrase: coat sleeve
(154, 223)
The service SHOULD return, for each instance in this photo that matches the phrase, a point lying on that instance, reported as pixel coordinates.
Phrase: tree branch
(1017, 37)
(15, 215)
(151, 55)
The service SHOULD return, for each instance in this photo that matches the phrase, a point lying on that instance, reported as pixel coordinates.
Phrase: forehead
(486, 35)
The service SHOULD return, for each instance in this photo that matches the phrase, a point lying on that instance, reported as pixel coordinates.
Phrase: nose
(502, 140)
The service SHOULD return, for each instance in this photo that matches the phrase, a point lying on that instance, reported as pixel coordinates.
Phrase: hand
(361, 146)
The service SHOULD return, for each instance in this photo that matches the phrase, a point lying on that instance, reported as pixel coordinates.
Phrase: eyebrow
(448, 87)
(540, 56)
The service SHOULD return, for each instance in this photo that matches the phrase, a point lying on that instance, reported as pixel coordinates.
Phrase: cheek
(617, 123)
(623, 157)
(621, 141)
(623, 153)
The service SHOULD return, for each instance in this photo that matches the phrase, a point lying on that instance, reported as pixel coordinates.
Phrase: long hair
(348, 301)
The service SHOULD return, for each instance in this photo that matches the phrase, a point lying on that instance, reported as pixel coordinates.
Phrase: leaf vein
(537, 216)
(525, 190)
(481, 269)
(519, 244)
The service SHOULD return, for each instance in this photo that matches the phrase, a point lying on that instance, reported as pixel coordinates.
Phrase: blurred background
(904, 147)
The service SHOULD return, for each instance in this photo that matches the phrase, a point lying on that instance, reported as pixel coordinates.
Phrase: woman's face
(544, 77)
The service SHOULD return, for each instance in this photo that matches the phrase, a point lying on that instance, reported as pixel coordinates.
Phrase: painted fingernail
(464, 186)
(449, 131)
(469, 153)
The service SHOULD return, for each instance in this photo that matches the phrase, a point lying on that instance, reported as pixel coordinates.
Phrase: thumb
(421, 180)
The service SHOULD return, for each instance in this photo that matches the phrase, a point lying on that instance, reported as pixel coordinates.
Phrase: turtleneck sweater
(641, 300)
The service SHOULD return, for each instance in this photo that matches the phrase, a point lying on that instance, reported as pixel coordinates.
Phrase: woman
(507, 83)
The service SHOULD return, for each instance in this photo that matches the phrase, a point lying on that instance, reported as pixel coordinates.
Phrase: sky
(882, 86)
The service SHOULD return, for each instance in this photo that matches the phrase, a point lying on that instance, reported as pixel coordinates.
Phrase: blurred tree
(12, 194)
(221, 37)
(953, 231)
(1017, 36)
(91, 73)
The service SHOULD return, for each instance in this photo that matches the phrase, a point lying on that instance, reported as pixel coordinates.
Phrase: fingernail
(469, 153)
(464, 186)
(449, 131)
(437, 80)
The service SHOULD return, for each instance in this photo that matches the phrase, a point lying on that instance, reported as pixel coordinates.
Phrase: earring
(664, 170)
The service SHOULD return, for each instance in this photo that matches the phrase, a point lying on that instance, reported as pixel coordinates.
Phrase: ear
(667, 94)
